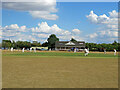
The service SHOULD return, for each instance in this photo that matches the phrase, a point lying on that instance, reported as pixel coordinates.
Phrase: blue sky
(70, 17)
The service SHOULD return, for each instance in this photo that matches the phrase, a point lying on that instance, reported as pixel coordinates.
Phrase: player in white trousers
(104, 51)
(86, 52)
(11, 49)
(34, 49)
(23, 49)
(30, 49)
(75, 50)
(115, 51)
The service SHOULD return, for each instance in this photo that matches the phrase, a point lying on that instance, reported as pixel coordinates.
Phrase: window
(80, 43)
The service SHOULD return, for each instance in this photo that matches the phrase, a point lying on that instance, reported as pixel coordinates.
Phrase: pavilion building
(68, 45)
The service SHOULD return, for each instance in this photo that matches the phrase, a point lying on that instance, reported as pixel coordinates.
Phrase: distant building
(68, 45)
(40, 48)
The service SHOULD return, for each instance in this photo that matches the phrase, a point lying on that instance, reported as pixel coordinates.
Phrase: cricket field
(52, 69)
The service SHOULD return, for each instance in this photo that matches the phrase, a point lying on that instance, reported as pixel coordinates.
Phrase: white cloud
(109, 33)
(15, 28)
(112, 26)
(108, 25)
(102, 33)
(23, 27)
(113, 14)
(0, 32)
(65, 33)
(44, 5)
(94, 35)
(92, 17)
(44, 15)
(43, 31)
(102, 19)
(45, 28)
(39, 33)
(43, 9)
(76, 31)
(56, 30)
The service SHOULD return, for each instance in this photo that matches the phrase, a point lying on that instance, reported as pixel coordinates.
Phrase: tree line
(7, 44)
(101, 47)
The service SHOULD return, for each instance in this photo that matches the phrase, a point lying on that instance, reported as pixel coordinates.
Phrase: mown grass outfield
(59, 70)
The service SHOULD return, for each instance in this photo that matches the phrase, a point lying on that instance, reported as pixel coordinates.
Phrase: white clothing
(75, 50)
(115, 51)
(30, 49)
(11, 48)
(34, 49)
(23, 49)
(86, 52)
(104, 51)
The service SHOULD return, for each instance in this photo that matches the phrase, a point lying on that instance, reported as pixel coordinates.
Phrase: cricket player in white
(86, 52)
(34, 49)
(50, 49)
(115, 51)
(75, 50)
(11, 48)
(104, 51)
(23, 49)
(30, 49)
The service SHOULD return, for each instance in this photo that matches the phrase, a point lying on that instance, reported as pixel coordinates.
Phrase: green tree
(6, 44)
(51, 41)
(45, 44)
(115, 43)
(20, 44)
(73, 40)
(36, 44)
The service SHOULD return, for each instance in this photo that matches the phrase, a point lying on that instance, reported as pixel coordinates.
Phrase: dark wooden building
(67, 45)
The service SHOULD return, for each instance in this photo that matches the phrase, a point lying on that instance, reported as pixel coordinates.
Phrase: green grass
(57, 54)
(59, 70)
